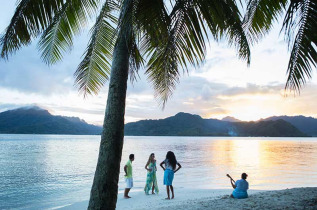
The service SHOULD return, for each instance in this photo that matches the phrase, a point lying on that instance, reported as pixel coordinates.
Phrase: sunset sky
(223, 86)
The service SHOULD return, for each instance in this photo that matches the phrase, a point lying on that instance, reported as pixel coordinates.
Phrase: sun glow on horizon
(248, 107)
(253, 112)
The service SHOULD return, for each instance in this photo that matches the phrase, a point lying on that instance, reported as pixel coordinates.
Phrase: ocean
(53, 171)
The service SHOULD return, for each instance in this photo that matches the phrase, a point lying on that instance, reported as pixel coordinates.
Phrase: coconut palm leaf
(144, 24)
(186, 40)
(303, 54)
(30, 18)
(229, 25)
(67, 22)
(94, 70)
(300, 30)
(152, 20)
(185, 44)
(260, 16)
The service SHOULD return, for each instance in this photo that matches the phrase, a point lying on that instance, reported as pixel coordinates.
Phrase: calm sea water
(52, 171)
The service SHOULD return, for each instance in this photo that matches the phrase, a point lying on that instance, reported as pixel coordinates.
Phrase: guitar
(230, 177)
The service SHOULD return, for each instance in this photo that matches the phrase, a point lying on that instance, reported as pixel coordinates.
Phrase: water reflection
(39, 171)
(291, 163)
(270, 164)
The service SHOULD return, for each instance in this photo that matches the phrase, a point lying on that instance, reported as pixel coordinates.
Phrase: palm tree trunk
(104, 190)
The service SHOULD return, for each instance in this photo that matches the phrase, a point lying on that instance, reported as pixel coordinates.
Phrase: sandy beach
(296, 198)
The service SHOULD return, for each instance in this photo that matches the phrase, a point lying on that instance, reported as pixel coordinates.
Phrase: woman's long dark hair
(171, 159)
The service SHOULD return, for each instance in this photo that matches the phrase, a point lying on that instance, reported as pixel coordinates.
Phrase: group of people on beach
(169, 166)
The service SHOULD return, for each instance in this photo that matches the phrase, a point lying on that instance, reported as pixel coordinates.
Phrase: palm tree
(127, 34)
(300, 30)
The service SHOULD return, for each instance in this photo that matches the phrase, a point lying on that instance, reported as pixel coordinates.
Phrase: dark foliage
(38, 121)
(184, 124)
(306, 125)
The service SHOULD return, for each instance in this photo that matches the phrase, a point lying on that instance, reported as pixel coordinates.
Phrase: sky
(222, 86)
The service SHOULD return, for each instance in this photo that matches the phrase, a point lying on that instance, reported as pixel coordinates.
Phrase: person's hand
(149, 169)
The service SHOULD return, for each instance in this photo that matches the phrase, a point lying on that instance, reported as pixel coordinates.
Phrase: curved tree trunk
(104, 190)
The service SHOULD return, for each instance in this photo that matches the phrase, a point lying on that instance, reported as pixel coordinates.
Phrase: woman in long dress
(151, 181)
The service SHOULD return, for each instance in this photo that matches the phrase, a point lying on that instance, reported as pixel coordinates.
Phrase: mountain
(306, 125)
(184, 124)
(34, 120)
(272, 128)
(230, 119)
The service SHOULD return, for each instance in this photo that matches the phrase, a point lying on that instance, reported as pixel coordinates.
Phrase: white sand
(297, 198)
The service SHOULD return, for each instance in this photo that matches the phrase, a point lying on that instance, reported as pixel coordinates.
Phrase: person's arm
(125, 170)
(146, 167)
(162, 165)
(179, 167)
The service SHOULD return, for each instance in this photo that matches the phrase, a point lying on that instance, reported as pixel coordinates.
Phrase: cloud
(9, 106)
(223, 85)
(79, 110)
(269, 51)
(7, 10)
(26, 72)
(253, 89)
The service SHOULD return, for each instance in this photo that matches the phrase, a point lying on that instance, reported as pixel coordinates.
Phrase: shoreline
(295, 198)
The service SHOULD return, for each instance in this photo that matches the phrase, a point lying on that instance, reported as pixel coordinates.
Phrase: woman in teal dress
(151, 181)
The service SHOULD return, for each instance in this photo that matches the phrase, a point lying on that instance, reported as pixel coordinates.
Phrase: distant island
(35, 120)
(184, 124)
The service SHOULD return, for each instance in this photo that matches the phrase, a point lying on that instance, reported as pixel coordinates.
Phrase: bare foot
(127, 197)
(153, 193)
(173, 197)
(167, 198)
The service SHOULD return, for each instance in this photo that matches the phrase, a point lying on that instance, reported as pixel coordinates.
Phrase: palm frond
(303, 55)
(58, 36)
(94, 70)
(152, 20)
(236, 34)
(30, 18)
(224, 18)
(150, 23)
(185, 45)
(190, 20)
(260, 16)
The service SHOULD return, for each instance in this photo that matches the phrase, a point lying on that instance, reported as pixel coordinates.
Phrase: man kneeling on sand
(240, 186)
(128, 176)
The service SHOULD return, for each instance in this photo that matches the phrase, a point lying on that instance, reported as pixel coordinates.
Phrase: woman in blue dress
(169, 170)
(240, 186)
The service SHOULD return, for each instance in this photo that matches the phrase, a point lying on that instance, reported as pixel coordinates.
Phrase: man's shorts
(129, 182)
